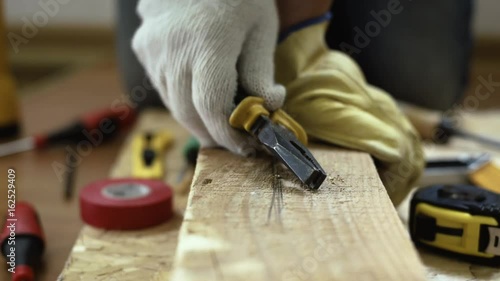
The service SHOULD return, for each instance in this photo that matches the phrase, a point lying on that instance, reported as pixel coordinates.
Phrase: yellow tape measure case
(458, 220)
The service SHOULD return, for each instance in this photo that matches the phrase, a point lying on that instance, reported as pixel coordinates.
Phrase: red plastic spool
(126, 204)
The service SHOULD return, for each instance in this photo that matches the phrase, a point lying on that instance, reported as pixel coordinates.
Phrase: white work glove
(197, 51)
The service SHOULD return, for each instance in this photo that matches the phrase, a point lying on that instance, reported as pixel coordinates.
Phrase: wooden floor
(50, 106)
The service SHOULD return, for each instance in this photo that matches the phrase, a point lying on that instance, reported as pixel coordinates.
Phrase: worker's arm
(292, 12)
(328, 95)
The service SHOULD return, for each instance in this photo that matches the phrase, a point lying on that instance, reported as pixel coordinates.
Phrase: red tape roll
(126, 204)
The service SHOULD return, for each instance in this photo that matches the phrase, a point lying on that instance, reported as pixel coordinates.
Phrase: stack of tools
(22, 241)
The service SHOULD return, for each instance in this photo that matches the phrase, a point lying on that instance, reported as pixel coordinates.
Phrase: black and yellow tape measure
(459, 220)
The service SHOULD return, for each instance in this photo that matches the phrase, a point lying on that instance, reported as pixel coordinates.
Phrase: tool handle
(190, 151)
(426, 122)
(282, 118)
(29, 240)
(70, 134)
(95, 120)
(26, 221)
(478, 138)
(148, 150)
(251, 108)
(98, 126)
(23, 273)
(430, 124)
(247, 112)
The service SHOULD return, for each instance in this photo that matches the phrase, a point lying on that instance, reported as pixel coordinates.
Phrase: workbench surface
(54, 105)
(97, 88)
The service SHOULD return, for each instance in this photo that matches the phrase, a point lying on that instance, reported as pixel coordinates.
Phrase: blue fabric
(284, 34)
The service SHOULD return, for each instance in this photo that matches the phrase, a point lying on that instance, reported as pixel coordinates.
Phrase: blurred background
(83, 32)
(79, 33)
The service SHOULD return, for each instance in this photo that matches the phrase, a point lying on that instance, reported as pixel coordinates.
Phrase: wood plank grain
(347, 230)
(133, 255)
(128, 257)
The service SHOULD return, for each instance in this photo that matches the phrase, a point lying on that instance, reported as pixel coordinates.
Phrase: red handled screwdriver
(22, 241)
(104, 123)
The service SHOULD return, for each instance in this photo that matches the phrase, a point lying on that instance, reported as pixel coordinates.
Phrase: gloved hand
(196, 52)
(328, 95)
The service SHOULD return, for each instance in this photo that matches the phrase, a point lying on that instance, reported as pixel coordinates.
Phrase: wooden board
(133, 255)
(100, 255)
(247, 219)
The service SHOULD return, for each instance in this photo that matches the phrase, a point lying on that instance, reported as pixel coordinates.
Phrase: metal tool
(282, 137)
(277, 199)
(94, 127)
(148, 150)
(475, 168)
(448, 130)
(433, 126)
(69, 179)
(454, 169)
(461, 220)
